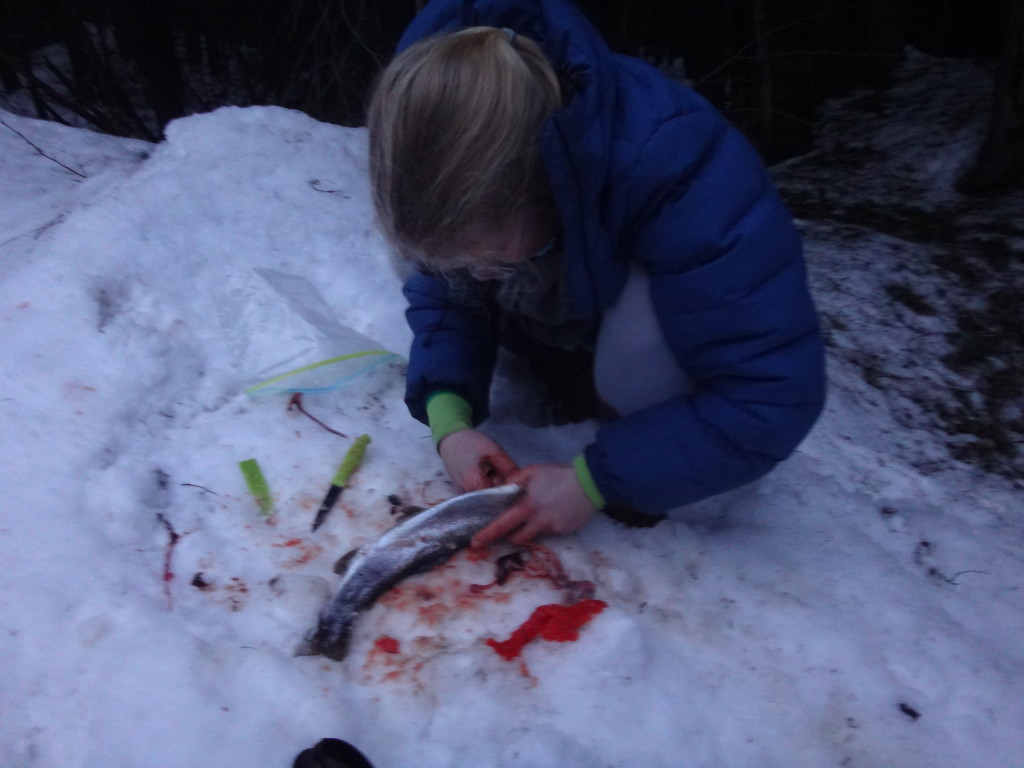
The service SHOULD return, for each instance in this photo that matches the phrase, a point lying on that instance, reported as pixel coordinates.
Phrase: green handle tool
(257, 484)
(348, 466)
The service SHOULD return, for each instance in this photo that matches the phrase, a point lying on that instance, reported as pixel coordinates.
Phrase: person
(546, 189)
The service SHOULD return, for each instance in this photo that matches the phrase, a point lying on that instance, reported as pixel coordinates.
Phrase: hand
(554, 503)
(474, 461)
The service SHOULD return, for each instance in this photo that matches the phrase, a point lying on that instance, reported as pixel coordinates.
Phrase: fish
(419, 544)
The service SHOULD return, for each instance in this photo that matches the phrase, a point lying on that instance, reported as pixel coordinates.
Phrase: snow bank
(849, 609)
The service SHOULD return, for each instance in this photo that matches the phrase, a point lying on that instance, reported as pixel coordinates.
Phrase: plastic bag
(339, 356)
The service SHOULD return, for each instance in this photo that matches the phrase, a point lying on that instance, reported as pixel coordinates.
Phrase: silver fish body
(416, 545)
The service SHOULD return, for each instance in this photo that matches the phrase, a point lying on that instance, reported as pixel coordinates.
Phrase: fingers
(476, 479)
(526, 533)
(554, 503)
(503, 465)
(474, 461)
(505, 523)
(491, 476)
(493, 470)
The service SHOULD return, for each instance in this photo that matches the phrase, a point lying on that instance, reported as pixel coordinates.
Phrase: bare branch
(774, 31)
(28, 141)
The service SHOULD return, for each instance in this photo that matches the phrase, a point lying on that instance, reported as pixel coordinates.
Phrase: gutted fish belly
(419, 544)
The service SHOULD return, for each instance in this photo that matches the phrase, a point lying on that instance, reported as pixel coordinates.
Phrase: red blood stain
(478, 555)
(307, 551)
(386, 656)
(558, 623)
(425, 593)
(386, 644)
(396, 597)
(433, 614)
(238, 592)
(436, 597)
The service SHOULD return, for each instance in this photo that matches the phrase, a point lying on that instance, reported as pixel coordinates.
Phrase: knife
(353, 457)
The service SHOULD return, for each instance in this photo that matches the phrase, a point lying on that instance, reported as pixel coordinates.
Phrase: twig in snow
(296, 402)
(28, 141)
(936, 573)
(200, 487)
(315, 184)
(173, 538)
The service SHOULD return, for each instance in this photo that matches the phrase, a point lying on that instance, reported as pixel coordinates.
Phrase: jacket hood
(568, 39)
(575, 141)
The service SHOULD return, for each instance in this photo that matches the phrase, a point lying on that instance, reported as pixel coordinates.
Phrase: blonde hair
(453, 126)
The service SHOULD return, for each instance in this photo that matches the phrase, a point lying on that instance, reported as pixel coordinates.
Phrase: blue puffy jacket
(645, 171)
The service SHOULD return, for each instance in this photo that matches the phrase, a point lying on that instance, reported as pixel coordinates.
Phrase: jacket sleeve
(729, 289)
(454, 345)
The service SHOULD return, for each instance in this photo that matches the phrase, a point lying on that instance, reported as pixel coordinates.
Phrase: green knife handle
(351, 461)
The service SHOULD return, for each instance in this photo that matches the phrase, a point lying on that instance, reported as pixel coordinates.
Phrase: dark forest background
(127, 67)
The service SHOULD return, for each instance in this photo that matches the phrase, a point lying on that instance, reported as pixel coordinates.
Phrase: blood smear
(559, 623)
(387, 644)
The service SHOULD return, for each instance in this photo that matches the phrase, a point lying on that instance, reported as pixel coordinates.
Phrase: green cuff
(447, 413)
(587, 481)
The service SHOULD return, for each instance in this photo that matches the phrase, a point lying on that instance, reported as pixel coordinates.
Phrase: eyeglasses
(488, 272)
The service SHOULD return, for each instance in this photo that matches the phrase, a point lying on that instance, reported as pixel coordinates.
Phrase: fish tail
(329, 638)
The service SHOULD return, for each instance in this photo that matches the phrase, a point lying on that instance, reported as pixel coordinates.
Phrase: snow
(860, 606)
